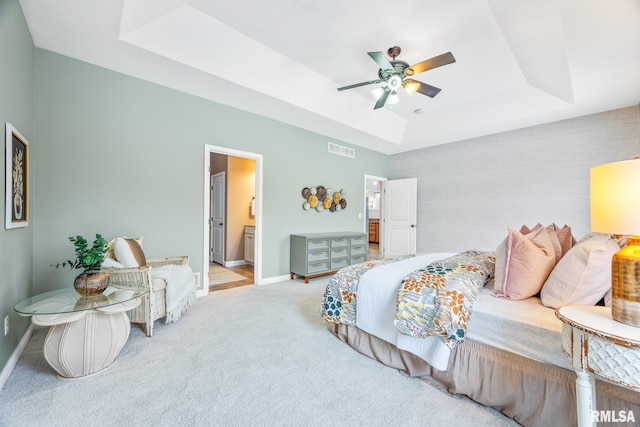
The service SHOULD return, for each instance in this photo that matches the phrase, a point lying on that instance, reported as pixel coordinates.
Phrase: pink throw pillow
(523, 263)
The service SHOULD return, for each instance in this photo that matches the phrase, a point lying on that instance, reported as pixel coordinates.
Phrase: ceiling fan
(396, 73)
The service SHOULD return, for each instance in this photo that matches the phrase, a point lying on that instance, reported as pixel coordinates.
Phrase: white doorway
(203, 289)
(218, 216)
(372, 217)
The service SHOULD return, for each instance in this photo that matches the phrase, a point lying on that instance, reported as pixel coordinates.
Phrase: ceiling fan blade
(413, 86)
(370, 82)
(381, 60)
(435, 62)
(382, 99)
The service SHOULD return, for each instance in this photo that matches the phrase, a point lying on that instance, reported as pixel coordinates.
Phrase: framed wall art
(17, 179)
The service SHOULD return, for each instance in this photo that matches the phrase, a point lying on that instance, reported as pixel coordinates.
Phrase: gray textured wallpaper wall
(470, 191)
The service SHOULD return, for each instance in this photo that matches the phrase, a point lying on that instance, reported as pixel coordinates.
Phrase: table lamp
(615, 209)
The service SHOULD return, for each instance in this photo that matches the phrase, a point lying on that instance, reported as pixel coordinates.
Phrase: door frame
(257, 265)
(381, 241)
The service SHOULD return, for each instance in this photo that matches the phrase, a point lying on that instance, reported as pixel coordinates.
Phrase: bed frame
(530, 392)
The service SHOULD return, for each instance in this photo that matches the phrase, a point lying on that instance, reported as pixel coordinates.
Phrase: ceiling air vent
(341, 150)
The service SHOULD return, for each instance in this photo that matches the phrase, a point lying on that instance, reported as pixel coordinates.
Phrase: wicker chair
(153, 304)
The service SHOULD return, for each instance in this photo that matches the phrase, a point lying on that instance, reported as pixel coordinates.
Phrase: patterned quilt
(433, 300)
(339, 301)
(437, 299)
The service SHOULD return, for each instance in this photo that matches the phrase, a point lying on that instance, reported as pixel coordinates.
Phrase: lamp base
(625, 282)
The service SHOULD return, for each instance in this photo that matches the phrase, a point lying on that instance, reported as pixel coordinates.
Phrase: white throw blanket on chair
(181, 288)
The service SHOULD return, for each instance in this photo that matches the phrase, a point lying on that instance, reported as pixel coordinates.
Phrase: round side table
(86, 334)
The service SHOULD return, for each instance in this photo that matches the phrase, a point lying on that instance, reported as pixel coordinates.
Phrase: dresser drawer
(339, 253)
(358, 259)
(337, 264)
(317, 267)
(339, 242)
(317, 244)
(358, 250)
(358, 240)
(313, 256)
(317, 254)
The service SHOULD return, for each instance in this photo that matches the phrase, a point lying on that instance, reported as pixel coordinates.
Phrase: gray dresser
(319, 254)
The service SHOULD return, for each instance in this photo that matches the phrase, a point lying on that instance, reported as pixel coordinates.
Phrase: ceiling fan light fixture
(396, 74)
(377, 93)
(393, 98)
(394, 82)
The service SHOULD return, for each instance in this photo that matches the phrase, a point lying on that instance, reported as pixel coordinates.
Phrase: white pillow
(583, 275)
(111, 263)
(128, 252)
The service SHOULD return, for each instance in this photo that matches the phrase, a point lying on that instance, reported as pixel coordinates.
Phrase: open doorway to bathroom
(232, 214)
(372, 209)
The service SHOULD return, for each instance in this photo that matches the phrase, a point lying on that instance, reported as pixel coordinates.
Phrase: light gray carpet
(248, 356)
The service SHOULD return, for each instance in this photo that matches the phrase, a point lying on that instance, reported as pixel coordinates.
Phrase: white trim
(236, 263)
(275, 279)
(257, 266)
(15, 356)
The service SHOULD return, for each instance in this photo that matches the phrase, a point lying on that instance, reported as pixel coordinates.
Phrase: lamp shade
(615, 198)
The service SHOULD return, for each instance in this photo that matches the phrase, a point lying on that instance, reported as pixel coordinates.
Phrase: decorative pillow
(555, 242)
(523, 263)
(110, 250)
(562, 238)
(111, 263)
(129, 252)
(565, 236)
(583, 275)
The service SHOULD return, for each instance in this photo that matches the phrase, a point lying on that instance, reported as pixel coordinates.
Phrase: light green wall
(16, 107)
(115, 155)
(121, 156)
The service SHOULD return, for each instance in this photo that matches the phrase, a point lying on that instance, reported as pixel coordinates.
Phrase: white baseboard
(235, 263)
(275, 279)
(13, 360)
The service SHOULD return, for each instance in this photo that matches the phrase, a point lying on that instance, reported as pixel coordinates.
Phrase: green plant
(89, 258)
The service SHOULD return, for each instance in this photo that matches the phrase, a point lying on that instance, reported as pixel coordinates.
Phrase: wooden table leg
(585, 398)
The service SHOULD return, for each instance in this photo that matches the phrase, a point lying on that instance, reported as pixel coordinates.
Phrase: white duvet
(523, 327)
(376, 307)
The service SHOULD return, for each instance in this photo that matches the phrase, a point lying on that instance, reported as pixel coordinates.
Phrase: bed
(503, 353)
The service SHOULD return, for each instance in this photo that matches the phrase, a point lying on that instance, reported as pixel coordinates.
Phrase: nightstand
(598, 345)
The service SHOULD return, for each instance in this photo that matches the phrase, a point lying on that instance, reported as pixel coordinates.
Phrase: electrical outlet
(6, 325)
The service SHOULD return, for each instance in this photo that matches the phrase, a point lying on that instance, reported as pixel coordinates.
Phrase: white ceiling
(518, 63)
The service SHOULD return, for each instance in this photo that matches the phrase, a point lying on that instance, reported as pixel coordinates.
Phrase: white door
(218, 209)
(399, 215)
